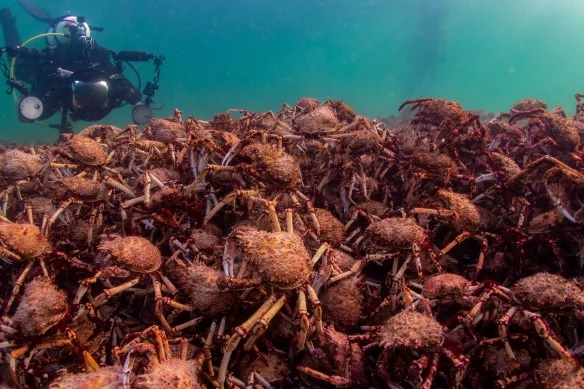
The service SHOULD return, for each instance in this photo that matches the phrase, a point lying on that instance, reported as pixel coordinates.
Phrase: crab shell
(199, 283)
(362, 141)
(547, 291)
(41, 206)
(105, 132)
(342, 259)
(172, 373)
(280, 258)
(512, 132)
(85, 150)
(16, 164)
(222, 122)
(545, 221)
(42, 306)
(504, 163)
(82, 187)
(559, 373)
(207, 238)
(436, 111)
(527, 104)
(320, 120)
(333, 353)
(133, 252)
(496, 362)
(277, 167)
(445, 284)
(343, 111)
(164, 130)
(25, 240)
(469, 217)
(331, 229)
(307, 103)
(437, 163)
(273, 367)
(563, 131)
(411, 330)
(148, 144)
(394, 233)
(342, 303)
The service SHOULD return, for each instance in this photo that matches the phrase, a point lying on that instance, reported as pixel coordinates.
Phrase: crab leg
(17, 286)
(90, 364)
(240, 332)
(317, 309)
(543, 332)
(427, 384)
(321, 250)
(105, 296)
(227, 199)
(159, 303)
(304, 323)
(262, 381)
(271, 206)
(171, 303)
(207, 349)
(84, 287)
(147, 184)
(503, 323)
(262, 324)
(55, 215)
(352, 271)
(335, 380)
(289, 220)
(556, 203)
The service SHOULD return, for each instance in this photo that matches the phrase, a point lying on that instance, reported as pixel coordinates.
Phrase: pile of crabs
(306, 248)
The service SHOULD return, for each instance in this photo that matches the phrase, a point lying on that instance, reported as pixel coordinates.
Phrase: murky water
(258, 54)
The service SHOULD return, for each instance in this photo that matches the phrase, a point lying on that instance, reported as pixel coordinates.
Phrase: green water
(258, 54)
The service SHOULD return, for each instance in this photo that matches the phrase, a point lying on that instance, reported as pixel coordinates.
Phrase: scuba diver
(73, 74)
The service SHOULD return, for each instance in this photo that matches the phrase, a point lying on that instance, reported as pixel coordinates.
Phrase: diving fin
(37, 12)
(42, 15)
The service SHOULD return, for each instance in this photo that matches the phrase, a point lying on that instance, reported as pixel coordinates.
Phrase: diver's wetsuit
(40, 74)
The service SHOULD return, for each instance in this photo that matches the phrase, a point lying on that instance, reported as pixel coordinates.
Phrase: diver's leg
(11, 35)
(12, 38)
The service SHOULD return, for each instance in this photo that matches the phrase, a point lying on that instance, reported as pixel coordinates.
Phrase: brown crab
(200, 284)
(464, 216)
(441, 113)
(558, 131)
(84, 150)
(410, 331)
(165, 130)
(132, 256)
(334, 360)
(162, 370)
(283, 263)
(528, 296)
(23, 243)
(19, 169)
(42, 307)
